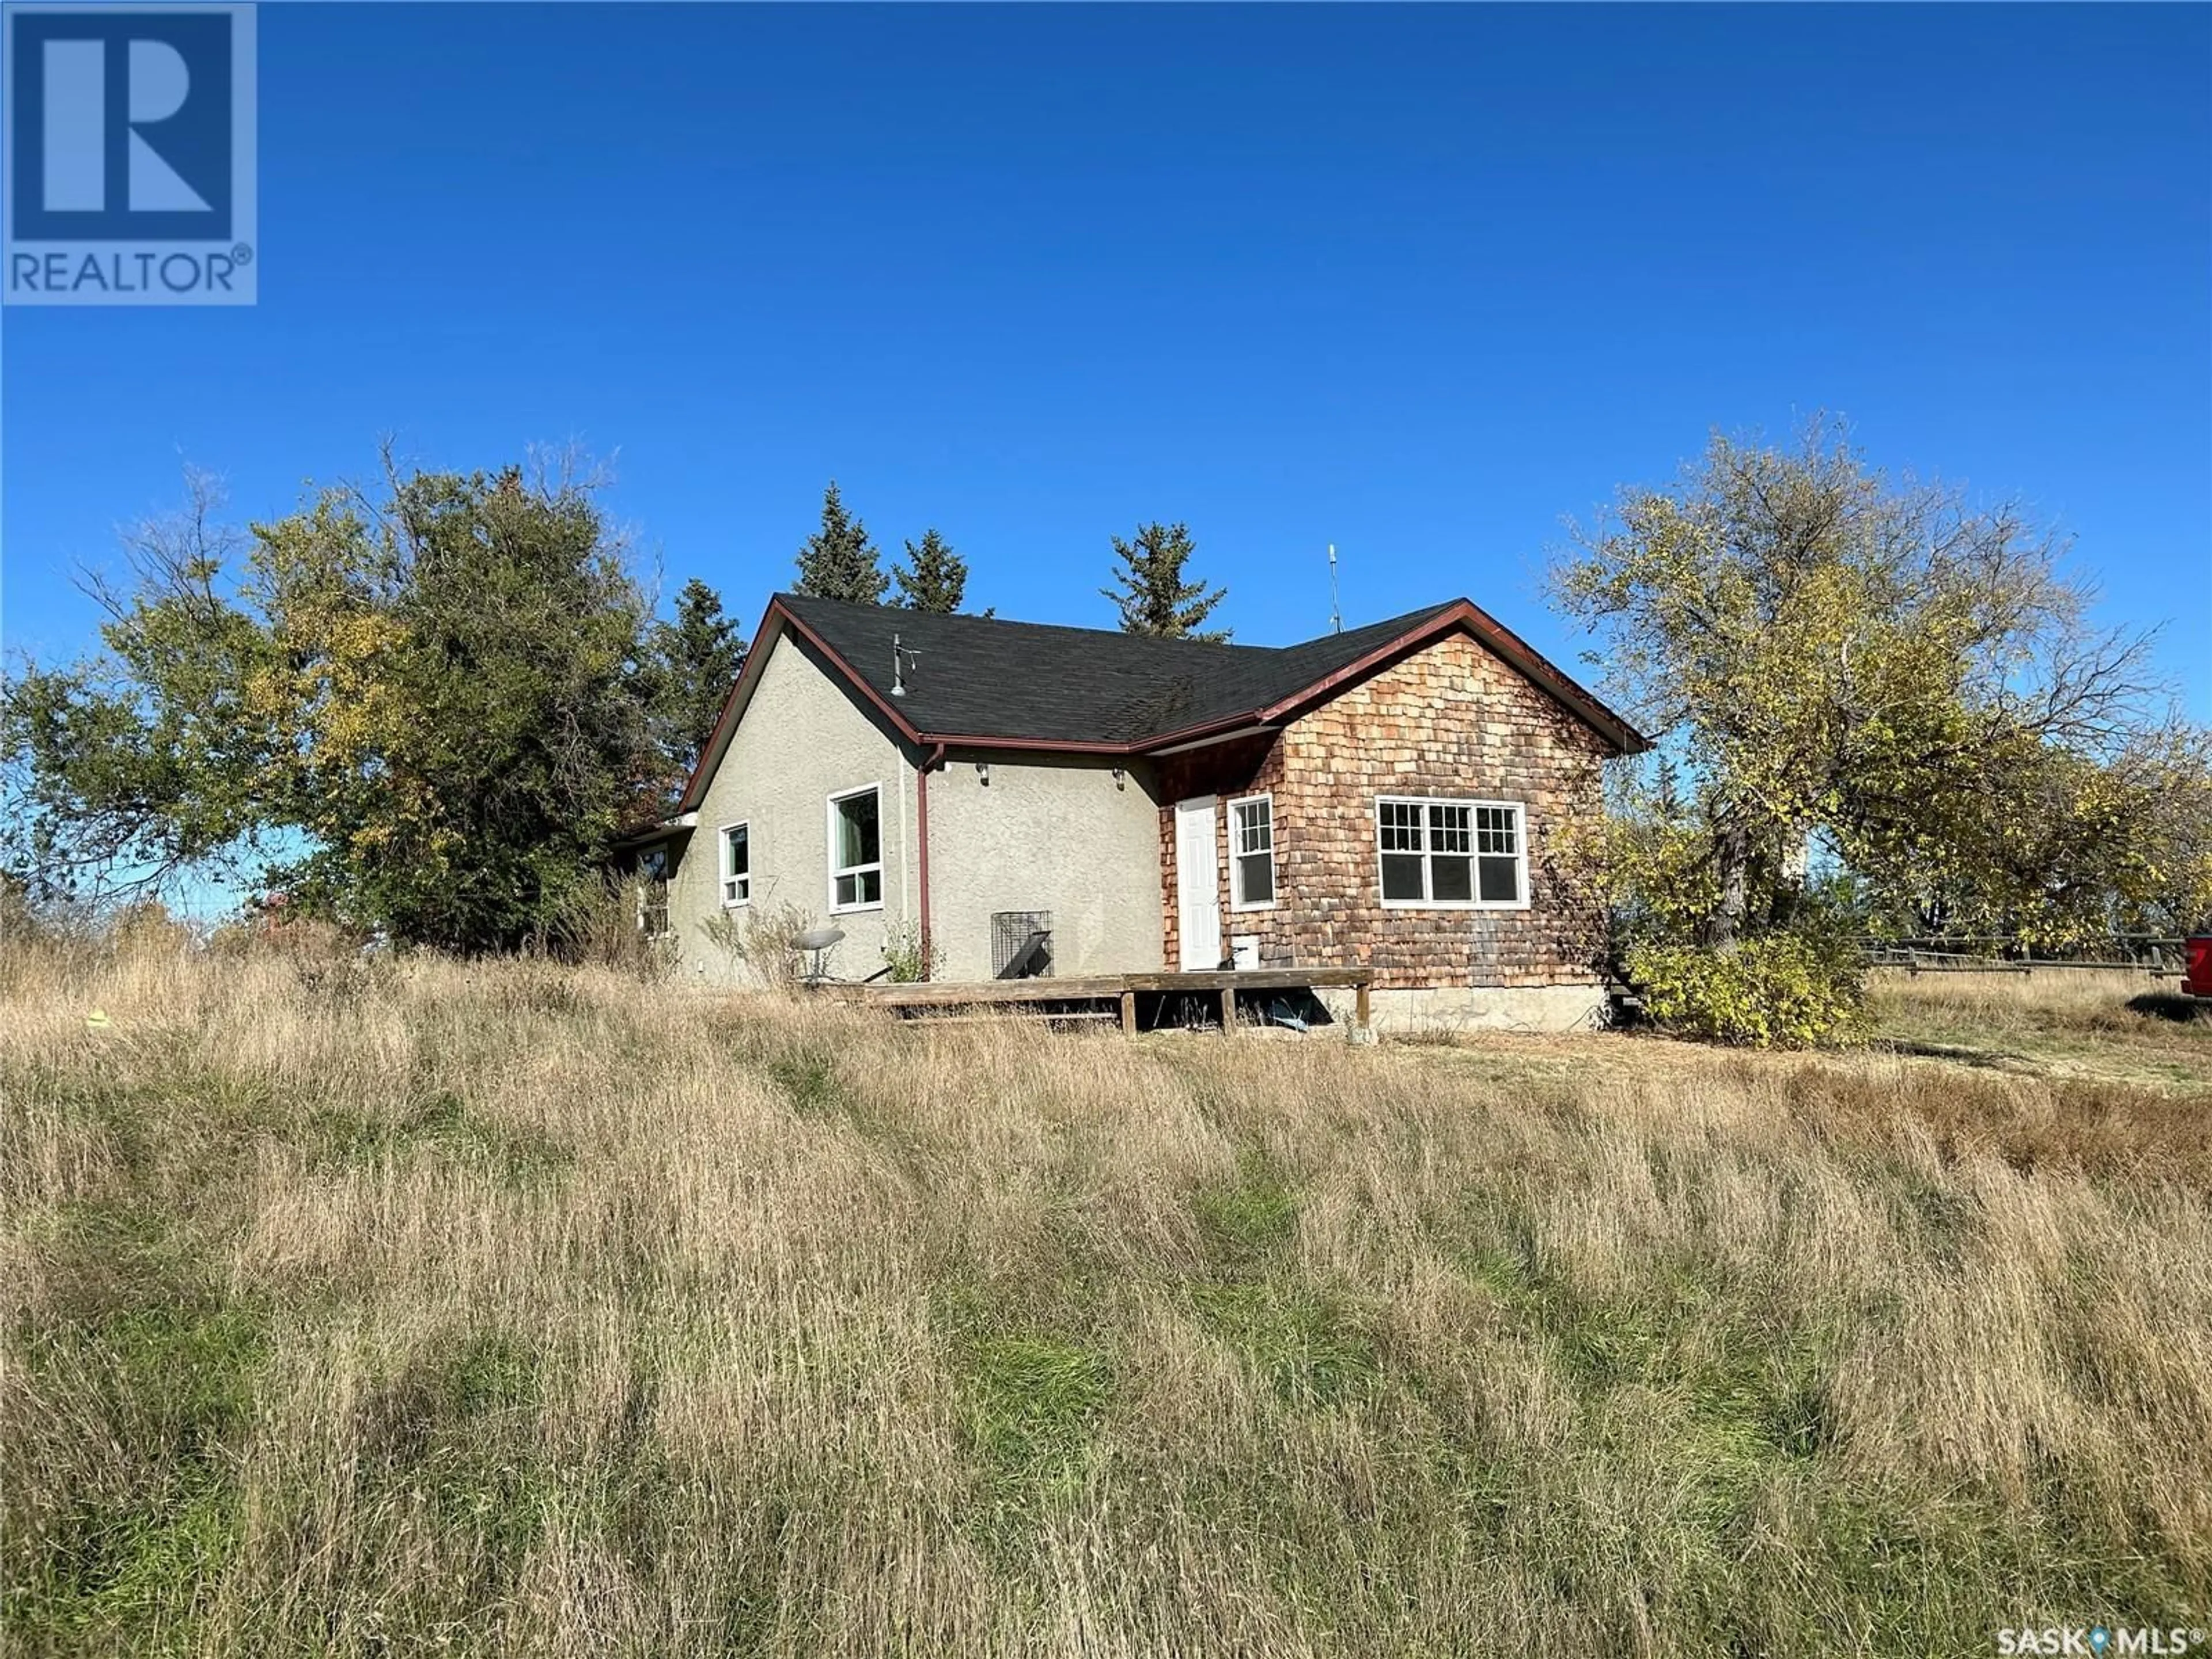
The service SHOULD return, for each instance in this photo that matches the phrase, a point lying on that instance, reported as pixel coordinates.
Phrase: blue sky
(1420, 282)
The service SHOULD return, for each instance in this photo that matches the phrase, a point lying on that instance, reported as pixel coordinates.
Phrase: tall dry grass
(412, 1307)
(2089, 998)
(2120, 1023)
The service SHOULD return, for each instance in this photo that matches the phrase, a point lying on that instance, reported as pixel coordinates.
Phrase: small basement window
(737, 863)
(1452, 855)
(856, 849)
(1252, 853)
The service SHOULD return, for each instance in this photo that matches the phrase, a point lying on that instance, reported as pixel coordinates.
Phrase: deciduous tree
(416, 710)
(1874, 664)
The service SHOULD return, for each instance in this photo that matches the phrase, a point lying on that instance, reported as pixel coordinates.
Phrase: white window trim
(722, 874)
(1236, 899)
(829, 848)
(1521, 853)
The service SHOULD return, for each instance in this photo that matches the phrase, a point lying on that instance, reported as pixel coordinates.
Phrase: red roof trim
(774, 621)
(1563, 688)
(883, 705)
(1516, 653)
(1034, 746)
(718, 740)
(1502, 641)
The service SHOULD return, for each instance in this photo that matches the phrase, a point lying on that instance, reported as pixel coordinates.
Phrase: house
(1028, 798)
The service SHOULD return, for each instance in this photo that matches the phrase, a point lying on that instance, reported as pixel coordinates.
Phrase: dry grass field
(402, 1308)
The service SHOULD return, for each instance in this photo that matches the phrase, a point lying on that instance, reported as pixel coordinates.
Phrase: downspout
(934, 757)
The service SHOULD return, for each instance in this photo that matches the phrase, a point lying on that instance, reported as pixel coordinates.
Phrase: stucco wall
(803, 738)
(1058, 833)
(1450, 719)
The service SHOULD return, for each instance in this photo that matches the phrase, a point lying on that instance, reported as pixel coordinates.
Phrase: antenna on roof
(1335, 615)
(900, 656)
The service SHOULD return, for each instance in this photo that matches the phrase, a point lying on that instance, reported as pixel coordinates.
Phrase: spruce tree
(688, 668)
(839, 562)
(933, 578)
(1153, 596)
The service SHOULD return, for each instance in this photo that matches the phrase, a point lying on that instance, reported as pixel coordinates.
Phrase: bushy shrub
(907, 958)
(269, 931)
(619, 921)
(764, 938)
(1783, 990)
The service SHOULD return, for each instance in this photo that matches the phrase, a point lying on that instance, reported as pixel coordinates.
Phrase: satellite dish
(814, 941)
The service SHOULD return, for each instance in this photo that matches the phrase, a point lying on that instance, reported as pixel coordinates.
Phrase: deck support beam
(1117, 991)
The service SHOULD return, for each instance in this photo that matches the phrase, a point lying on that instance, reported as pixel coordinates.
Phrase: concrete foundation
(1478, 1008)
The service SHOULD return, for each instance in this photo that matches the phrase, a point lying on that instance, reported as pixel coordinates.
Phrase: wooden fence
(2155, 955)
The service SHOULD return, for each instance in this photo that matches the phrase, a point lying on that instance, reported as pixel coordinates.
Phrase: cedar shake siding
(1450, 720)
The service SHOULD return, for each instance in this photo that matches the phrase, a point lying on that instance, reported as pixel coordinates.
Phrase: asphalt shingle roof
(981, 677)
(1031, 684)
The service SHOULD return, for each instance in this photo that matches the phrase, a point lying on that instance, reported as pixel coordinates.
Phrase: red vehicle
(2196, 978)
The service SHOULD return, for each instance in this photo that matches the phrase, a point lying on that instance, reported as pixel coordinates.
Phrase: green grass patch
(166, 1391)
(441, 1126)
(188, 1371)
(459, 1431)
(1305, 1342)
(1308, 1344)
(809, 1082)
(1745, 1385)
(491, 1374)
(129, 1572)
(1245, 1220)
(1034, 1400)
(1035, 1404)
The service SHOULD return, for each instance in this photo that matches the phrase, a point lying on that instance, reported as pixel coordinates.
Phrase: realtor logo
(130, 144)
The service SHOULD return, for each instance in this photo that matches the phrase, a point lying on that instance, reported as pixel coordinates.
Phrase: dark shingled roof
(981, 677)
(980, 680)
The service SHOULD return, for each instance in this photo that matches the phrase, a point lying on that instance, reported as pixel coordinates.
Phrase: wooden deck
(1121, 988)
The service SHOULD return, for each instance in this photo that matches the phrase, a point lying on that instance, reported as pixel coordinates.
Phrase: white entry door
(1198, 884)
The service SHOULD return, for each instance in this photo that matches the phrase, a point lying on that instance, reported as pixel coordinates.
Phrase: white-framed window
(737, 863)
(856, 849)
(1252, 853)
(1452, 855)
